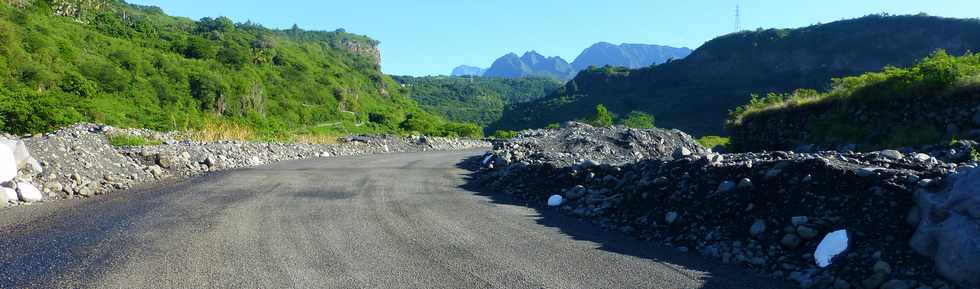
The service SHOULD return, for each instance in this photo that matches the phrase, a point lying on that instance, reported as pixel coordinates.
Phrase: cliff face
(368, 49)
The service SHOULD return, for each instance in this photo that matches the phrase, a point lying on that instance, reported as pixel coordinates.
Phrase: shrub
(639, 119)
(504, 134)
(602, 117)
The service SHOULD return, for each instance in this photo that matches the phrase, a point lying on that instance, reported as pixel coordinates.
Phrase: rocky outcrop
(949, 228)
(367, 49)
(78, 161)
(766, 211)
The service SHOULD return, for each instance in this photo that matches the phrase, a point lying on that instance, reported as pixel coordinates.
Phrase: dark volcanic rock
(771, 221)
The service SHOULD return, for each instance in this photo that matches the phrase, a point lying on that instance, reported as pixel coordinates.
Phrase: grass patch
(125, 140)
(214, 130)
(713, 141)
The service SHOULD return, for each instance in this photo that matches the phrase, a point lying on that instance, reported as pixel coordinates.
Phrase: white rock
(833, 244)
(8, 164)
(922, 157)
(892, 154)
(555, 200)
(28, 192)
(21, 154)
(7, 194)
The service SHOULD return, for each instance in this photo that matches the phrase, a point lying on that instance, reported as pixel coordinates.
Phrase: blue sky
(430, 37)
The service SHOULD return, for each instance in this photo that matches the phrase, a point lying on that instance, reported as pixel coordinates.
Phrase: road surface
(382, 221)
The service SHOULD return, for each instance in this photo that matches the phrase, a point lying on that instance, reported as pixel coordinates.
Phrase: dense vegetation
(477, 100)
(66, 61)
(696, 93)
(895, 107)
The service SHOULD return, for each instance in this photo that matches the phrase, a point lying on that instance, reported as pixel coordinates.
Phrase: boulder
(8, 164)
(555, 200)
(807, 233)
(832, 245)
(892, 154)
(575, 192)
(29, 193)
(7, 195)
(681, 152)
(726, 186)
(671, 217)
(758, 227)
(21, 155)
(949, 229)
(790, 241)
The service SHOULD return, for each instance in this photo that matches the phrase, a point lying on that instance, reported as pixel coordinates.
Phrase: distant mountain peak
(466, 70)
(531, 63)
(631, 55)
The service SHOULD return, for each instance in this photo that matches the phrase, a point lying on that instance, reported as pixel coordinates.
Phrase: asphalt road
(383, 221)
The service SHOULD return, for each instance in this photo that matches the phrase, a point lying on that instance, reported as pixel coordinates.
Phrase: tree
(639, 119)
(603, 117)
(200, 48)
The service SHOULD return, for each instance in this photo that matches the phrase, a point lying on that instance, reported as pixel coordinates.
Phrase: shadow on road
(716, 275)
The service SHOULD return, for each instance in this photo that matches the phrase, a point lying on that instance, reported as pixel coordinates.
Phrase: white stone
(892, 154)
(21, 154)
(28, 192)
(8, 164)
(833, 244)
(8, 195)
(555, 200)
(922, 157)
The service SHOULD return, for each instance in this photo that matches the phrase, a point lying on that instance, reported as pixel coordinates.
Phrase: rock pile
(79, 161)
(767, 211)
(579, 143)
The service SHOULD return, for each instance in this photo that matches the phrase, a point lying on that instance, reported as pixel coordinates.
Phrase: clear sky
(431, 37)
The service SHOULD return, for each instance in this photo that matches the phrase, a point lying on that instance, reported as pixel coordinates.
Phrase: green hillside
(65, 61)
(479, 100)
(934, 101)
(696, 93)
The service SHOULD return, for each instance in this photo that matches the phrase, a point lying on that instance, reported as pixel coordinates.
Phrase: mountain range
(627, 55)
(696, 93)
(531, 64)
(600, 54)
(466, 70)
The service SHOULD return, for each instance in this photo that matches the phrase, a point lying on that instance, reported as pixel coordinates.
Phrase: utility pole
(738, 18)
